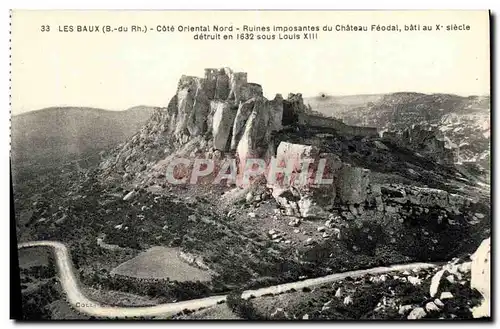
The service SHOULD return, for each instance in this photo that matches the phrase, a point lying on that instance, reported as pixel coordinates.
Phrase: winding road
(84, 305)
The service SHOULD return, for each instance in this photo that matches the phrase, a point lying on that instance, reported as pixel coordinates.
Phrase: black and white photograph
(250, 165)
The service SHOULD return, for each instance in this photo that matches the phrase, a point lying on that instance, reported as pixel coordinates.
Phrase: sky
(116, 70)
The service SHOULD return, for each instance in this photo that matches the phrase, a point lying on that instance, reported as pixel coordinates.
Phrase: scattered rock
(435, 282)
(252, 215)
(438, 302)
(431, 307)
(450, 278)
(348, 300)
(305, 317)
(339, 292)
(380, 145)
(465, 267)
(129, 196)
(325, 307)
(321, 229)
(403, 309)
(446, 295)
(414, 280)
(416, 314)
(279, 313)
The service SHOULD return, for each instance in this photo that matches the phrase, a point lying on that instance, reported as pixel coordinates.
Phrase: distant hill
(397, 109)
(59, 134)
(463, 122)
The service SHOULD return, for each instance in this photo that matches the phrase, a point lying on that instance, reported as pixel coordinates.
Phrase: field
(30, 257)
(161, 263)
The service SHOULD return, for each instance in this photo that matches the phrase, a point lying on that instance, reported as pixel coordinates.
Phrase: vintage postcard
(251, 165)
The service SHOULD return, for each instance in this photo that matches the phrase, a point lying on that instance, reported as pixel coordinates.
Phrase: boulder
(446, 295)
(403, 309)
(435, 283)
(352, 184)
(295, 154)
(380, 145)
(480, 278)
(309, 208)
(348, 300)
(417, 313)
(431, 307)
(279, 314)
(129, 196)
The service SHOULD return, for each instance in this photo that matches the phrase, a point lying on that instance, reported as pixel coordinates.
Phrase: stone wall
(319, 121)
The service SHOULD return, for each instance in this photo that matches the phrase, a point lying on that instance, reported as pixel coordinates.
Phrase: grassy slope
(52, 135)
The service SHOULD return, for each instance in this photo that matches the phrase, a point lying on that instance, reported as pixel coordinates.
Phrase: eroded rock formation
(225, 105)
(424, 141)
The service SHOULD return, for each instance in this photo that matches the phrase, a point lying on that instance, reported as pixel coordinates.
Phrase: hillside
(60, 134)
(462, 122)
(362, 200)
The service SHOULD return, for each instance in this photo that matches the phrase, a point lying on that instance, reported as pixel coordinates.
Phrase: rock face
(277, 112)
(423, 141)
(222, 123)
(480, 273)
(293, 106)
(341, 182)
(351, 186)
(227, 107)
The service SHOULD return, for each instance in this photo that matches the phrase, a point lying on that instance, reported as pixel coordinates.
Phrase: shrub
(243, 308)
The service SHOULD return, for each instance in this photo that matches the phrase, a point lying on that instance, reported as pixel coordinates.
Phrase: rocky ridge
(223, 116)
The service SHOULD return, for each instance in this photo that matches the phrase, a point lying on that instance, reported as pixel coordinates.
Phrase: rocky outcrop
(423, 141)
(480, 278)
(256, 134)
(351, 186)
(293, 106)
(277, 112)
(341, 183)
(222, 124)
(229, 108)
(192, 106)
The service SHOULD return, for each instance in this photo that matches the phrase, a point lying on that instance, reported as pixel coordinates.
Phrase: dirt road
(82, 304)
